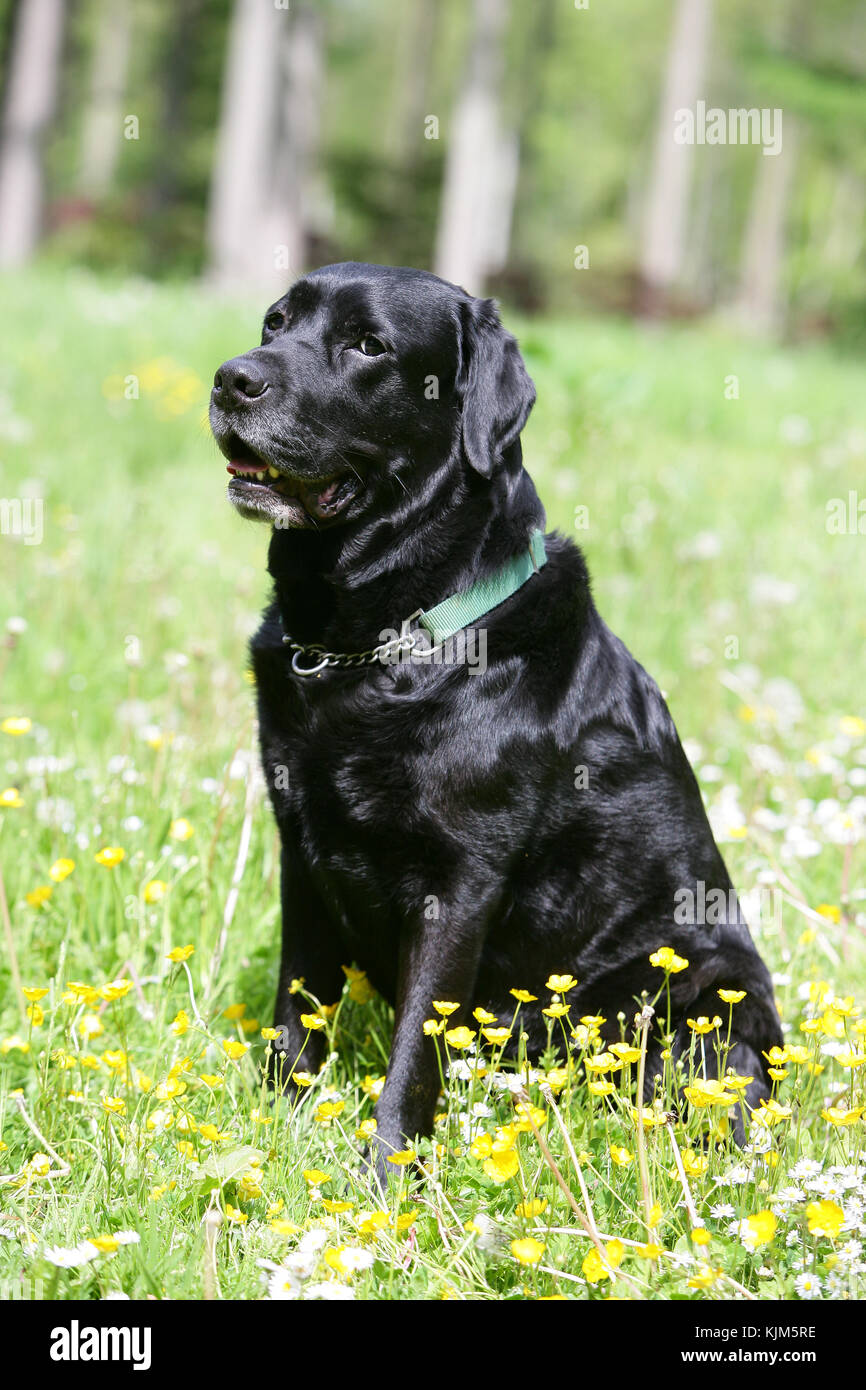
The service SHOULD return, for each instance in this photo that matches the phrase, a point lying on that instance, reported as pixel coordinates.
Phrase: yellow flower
(761, 1227)
(533, 1206)
(38, 896)
(702, 1093)
(113, 1105)
(313, 1022)
(269, 1034)
(106, 1244)
(402, 1157)
(315, 1177)
(329, 1110)
(731, 996)
(841, 1115)
(595, 1269)
(91, 1026)
(502, 1166)
(249, 1187)
(825, 1219)
(336, 1208)
(180, 953)
(433, 1026)
(852, 726)
(700, 1235)
(34, 995)
(705, 1278)
(621, 1156)
(734, 1082)
(831, 911)
(233, 1214)
(483, 1016)
(600, 1088)
(155, 890)
(460, 1037)
(212, 1134)
(10, 798)
(770, 1113)
(369, 1223)
(702, 1024)
(523, 996)
(527, 1251)
(181, 829)
(37, 1016)
(851, 1059)
(115, 989)
(650, 1251)
(303, 1078)
(496, 1036)
(694, 1164)
(556, 1010)
(235, 1011)
(481, 1146)
(560, 984)
(366, 1129)
(624, 1052)
(110, 856)
(10, 1044)
(442, 1006)
(180, 1024)
(61, 869)
(285, 1228)
(406, 1219)
(17, 724)
(234, 1049)
(666, 958)
(526, 1113)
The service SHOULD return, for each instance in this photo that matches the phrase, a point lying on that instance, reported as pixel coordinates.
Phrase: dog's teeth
(259, 476)
(273, 472)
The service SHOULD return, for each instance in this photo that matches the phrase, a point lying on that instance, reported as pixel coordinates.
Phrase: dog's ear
(496, 390)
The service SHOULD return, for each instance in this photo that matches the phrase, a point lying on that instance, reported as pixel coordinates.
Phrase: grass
(122, 1111)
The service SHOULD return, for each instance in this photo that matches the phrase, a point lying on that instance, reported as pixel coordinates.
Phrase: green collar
(441, 622)
(466, 607)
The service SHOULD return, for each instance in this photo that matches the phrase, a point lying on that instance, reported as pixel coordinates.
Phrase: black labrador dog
(457, 826)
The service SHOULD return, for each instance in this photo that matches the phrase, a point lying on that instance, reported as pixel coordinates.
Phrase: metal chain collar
(386, 651)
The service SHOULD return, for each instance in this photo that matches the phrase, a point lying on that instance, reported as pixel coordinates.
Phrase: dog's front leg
(435, 963)
(310, 953)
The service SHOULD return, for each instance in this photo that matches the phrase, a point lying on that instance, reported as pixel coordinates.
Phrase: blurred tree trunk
(263, 190)
(480, 167)
(238, 252)
(102, 129)
(667, 207)
(298, 206)
(31, 97)
(412, 79)
(759, 304)
(176, 83)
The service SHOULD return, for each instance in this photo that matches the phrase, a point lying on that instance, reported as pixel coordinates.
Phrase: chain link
(347, 660)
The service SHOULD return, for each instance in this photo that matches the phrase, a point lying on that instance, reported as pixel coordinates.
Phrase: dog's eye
(273, 322)
(371, 346)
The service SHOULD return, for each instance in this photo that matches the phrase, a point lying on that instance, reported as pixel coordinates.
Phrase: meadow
(140, 1153)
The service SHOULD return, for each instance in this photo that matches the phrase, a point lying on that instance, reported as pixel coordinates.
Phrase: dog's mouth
(261, 489)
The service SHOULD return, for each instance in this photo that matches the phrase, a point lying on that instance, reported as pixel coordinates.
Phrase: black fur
(400, 786)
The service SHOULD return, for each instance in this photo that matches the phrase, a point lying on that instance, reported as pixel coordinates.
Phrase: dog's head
(365, 372)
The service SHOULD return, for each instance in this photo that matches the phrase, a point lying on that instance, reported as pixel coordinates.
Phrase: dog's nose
(238, 383)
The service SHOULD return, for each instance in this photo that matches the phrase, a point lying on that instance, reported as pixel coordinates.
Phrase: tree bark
(102, 130)
(239, 253)
(667, 207)
(31, 99)
(479, 165)
(759, 301)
